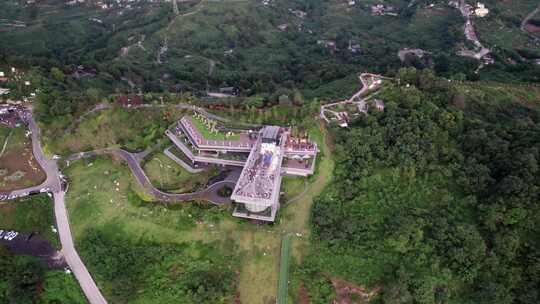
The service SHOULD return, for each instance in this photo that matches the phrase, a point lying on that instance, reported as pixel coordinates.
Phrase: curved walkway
(53, 184)
(182, 163)
(528, 18)
(365, 88)
(208, 194)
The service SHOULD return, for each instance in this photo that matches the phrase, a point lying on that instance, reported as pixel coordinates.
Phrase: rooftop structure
(481, 10)
(264, 155)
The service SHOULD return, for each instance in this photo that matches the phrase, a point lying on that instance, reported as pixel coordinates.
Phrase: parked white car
(10, 235)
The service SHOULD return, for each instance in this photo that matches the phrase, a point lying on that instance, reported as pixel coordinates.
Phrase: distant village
(15, 81)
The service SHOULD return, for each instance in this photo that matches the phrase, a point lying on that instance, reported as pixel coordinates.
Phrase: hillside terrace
(243, 141)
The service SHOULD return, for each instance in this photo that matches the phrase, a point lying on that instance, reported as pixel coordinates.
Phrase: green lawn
(132, 129)
(284, 269)
(101, 197)
(166, 174)
(206, 133)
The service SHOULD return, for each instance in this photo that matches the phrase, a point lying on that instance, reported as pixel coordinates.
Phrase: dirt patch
(19, 169)
(303, 296)
(532, 28)
(348, 293)
(34, 245)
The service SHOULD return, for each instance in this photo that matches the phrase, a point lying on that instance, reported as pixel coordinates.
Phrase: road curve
(365, 88)
(208, 194)
(53, 182)
(529, 17)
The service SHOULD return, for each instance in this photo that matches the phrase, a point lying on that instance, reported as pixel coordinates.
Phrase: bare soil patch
(531, 28)
(303, 296)
(19, 169)
(348, 293)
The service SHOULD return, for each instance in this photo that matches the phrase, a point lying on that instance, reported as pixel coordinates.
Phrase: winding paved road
(529, 17)
(133, 161)
(53, 183)
(365, 87)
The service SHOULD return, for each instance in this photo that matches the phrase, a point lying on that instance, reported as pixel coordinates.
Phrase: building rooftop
(265, 155)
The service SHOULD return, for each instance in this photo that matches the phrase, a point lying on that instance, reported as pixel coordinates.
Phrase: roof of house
(129, 100)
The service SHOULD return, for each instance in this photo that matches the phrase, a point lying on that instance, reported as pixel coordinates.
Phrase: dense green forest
(435, 200)
(213, 44)
(146, 272)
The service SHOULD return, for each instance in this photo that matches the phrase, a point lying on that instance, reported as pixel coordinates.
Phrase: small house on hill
(128, 101)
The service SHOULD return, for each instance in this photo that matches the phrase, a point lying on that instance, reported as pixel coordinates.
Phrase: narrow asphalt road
(365, 87)
(53, 183)
(133, 161)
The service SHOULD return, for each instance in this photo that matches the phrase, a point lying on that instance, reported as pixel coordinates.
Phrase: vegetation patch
(431, 180)
(18, 167)
(131, 129)
(26, 279)
(34, 214)
(160, 272)
(208, 129)
(166, 174)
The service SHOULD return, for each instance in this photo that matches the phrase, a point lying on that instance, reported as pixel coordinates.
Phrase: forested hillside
(435, 200)
(270, 50)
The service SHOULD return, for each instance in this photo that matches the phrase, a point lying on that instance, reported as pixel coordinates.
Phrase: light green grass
(132, 129)
(94, 201)
(284, 269)
(166, 174)
(207, 134)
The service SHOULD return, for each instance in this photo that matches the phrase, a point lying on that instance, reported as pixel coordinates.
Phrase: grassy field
(132, 129)
(166, 174)
(206, 133)
(18, 168)
(101, 195)
(503, 30)
(292, 186)
(284, 269)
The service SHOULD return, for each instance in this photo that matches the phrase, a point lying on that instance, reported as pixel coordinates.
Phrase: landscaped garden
(209, 130)
(166, 174)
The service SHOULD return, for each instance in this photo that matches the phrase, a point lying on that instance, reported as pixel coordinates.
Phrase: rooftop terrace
(260, 180)
(241, 140)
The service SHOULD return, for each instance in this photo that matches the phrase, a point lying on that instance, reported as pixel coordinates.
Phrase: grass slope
(93, 201)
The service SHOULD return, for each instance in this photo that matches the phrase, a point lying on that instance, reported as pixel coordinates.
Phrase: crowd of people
(259, 178)
(299, 144)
